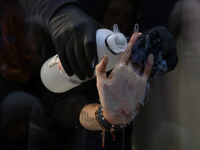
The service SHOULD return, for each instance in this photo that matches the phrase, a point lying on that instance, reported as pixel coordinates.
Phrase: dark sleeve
(65, 107)
(42, 10)
(154, 13)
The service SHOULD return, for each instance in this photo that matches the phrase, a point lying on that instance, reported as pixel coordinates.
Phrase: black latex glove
(159, 42)
(73, 33)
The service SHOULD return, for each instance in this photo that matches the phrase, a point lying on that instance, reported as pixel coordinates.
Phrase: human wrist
(106, 125)
(87, 117)
(116, 118)
(106, 122)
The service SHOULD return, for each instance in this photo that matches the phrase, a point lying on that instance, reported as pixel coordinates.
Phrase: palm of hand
(123, 91)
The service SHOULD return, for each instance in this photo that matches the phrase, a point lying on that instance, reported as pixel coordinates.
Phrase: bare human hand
(122, 93)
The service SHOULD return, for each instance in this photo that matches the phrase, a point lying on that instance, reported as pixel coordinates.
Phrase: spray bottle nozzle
(120, 39)
(116, 43)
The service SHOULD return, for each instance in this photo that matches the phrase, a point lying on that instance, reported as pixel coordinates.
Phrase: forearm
(65, 107)
(87, 117)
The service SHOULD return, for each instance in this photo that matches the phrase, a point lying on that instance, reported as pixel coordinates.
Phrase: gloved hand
(159, 42)
(73, 33)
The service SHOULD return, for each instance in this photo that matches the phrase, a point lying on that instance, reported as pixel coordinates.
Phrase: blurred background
(170, 118)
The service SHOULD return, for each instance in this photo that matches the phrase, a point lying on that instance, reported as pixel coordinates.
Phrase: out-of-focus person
(15, 112)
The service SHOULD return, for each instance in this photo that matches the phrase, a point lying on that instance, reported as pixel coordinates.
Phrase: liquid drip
(123, 137)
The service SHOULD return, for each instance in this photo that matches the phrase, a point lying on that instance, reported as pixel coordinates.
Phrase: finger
(125, 56)
(90, 47)
(101, 69)
(65, 63)
(149, 65)
(62, 53)
(74, 64)
(81, 58)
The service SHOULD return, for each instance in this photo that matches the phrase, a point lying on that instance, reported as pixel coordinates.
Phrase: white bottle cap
(54, 79)
(117, 43)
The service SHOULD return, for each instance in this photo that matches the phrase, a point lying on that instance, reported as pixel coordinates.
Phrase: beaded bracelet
(106, 125)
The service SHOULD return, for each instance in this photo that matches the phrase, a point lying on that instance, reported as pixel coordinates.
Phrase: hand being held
(123, 91)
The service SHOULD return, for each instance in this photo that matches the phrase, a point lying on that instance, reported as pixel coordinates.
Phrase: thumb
(101, 69)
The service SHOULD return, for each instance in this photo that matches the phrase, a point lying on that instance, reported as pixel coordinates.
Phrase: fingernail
(102, 57)
(151, 58)
(136, 35)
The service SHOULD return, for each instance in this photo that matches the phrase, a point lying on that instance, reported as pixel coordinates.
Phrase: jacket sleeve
(43, 10)
(65, 107)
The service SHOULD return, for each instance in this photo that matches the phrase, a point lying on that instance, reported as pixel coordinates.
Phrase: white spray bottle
(110, 43)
